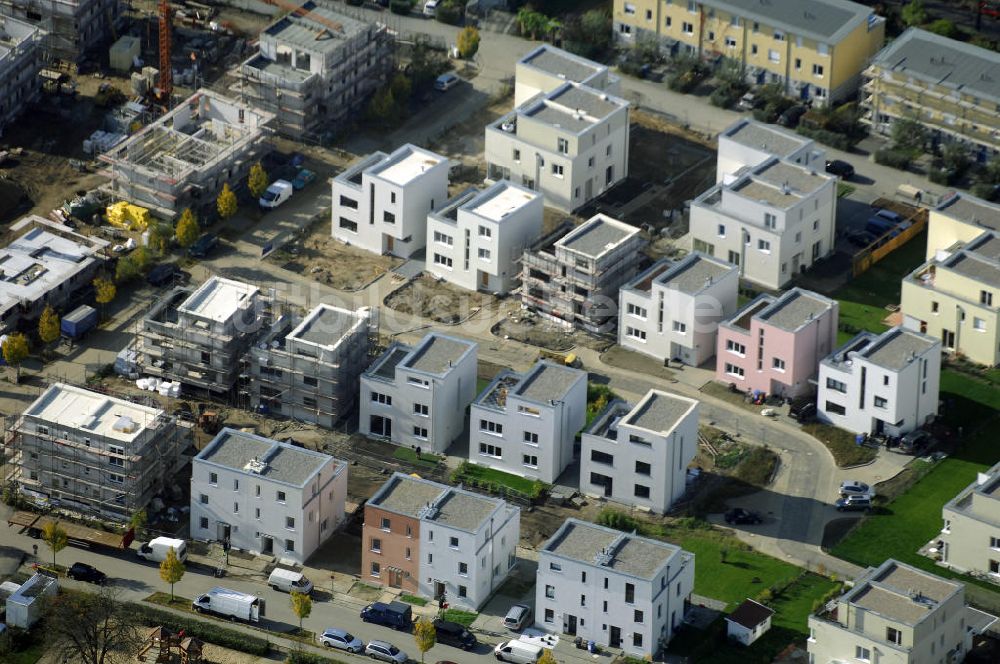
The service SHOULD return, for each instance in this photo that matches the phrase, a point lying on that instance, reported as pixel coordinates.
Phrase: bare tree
(94, 628)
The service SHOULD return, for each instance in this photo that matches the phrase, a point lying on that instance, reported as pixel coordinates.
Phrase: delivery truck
(231, 604)
(78, 322)
(155, 550)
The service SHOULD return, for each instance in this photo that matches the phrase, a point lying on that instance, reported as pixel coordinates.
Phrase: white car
(342, 640)
(279, 192)
(430, 7)
(446, 81)
(386, 652)
(855, 488)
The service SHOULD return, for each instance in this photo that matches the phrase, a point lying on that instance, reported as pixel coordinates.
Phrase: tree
(138, 521)
(425, 636)
(914, 13)
(226, 202)
(468, 42)
(547, 657)
(532, 23)
(382, 108)
(257, 180)
(141, 258)
(589, 35)
(105, 291)
(187, 230)
(126, 270)
(945, 28)
(15, 350)
(909, 135)
(87, 628)
(55, 537)
(302, 606)
(401, 88)
(48, 325)
(171, 570)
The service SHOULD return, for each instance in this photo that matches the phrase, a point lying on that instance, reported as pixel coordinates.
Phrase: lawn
(413, 599)
(482, 384)
(465, 618)
(841, 443)
(425, 460)
(496, 481)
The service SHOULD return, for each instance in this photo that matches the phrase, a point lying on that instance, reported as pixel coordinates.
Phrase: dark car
(740, 517)
(162, 275)
(203, 247)
(861, 238)
(840, 168)
(85, 572)
(803, 410)
(854, 503)
(394, 614)
(915, 442)
(791, 117)
(453, 634)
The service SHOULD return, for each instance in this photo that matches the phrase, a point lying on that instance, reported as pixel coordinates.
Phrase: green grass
(426, 460)
(413, 599)
(844, 190)
(841, 443)
(458, 616)
(29, 655)
(496, 481)
(482, 384)
(598, 397)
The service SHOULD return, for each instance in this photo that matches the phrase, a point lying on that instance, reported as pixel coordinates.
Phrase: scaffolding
(72, 27)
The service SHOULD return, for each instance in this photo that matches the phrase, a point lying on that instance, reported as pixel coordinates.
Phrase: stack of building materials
(124, 52)
(102, 141)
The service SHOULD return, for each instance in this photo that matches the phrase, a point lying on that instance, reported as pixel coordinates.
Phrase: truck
(77, 534)
(397, 615)
(155, 550)
(78, 322)
(231, 604)
(279, 192)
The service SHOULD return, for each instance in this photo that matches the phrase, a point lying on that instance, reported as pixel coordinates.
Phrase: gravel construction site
(437, 300)
(532, 329)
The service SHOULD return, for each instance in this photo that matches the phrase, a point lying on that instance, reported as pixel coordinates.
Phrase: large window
(491, 427)
(836, 385)
(835, 408)
(733, 370)
(494, 451)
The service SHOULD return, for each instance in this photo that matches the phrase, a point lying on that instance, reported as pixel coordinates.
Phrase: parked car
(85, 572)
(861, 238)
(164, 274)
(276, 194)
(446, 81)
(517, 617)
(430, 8)
(791, 117)
(452, 634)
(398, 615)
(748, 102)
(803, 410)
(740, 516)
(854, 503)
(915, 442)
(342, 640)
(303, 178)
(840, 168)
(386, 652)
(203, 246)
(855, 488)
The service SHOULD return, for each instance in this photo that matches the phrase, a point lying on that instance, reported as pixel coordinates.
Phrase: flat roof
(694, 273)
(316, 27)
(795, 308)
(570, 106)
(218, 299)
(437, 353)
(255, 455)
(406, 164)
(825, 20)
(385, 365)
(660, 411)
(582, 99)
(326, 325)
(894, 348)
(603, 547)
(501, 200)
(562, 64)
(765, 137)
(970, 265)
(766, 192)
(901, 592)
(102, 415)
(986, 246)
(430, 501)
(949, 63)
(597, 236)
(971, 210)
(784, 174)
(546, 381)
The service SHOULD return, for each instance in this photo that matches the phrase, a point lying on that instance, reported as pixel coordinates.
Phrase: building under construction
(72, 27)
(199, 338)
(308, 368)
(92, 453)
(315, 69)
(182, 159)
(20, 62)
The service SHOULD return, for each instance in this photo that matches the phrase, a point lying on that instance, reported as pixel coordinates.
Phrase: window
(531, 438)
(637, 616)
(583, 600)
(530, 461)
(376, 570)
(494, 451)
(213, 479)
(643, 468)
(388, 217)
(550, 592)
(203, 522)
(885, 380)
(711, 35)
(289, 523)
(836, 386)
(734, 370)
(753, 49)
(798, 63)
(485, 231)
(994, 567)
(528, 410)
(881, 402)
(986, 297)
(770, 221)
(453, 542)
(934, 307)
(384, 399)
(256, 514)
(517, 155)
(204, 499)
(430, 558)
(376, 545)
(280, 496)
(764, 246)
(484, 254)
(641, 491)
(583, 577)
(491, 427)
(463, 569)
(602, 457)
(779, 36)
(818, 70)
(635, 333)
(893, 635)
(562, 145)
(978, 324)
(721, 230)
(773, 55)
(348, 225)
(421, 409)
(862, 653)
(236, 508)
(550, 616)
(636, 310)
(735, 347)
(310, 381)
(420, 432)
(441, 238)
(630, 593)
(835, 408)
(629, 9)
(995, 542)
(730, 42)
(444, 261)
(555, 567)
(778, 364)
(687, 28)
(557, 170)
(637, 639)
(680, 328)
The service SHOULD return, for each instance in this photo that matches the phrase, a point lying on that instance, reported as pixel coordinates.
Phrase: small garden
(598, 398)
(422, 460)
(842, 444)
(498, 482)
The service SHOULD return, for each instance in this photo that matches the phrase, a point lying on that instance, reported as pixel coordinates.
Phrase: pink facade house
(774, 344)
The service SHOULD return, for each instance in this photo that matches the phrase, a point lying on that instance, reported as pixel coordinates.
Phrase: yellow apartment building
(816, 48)
(952, 88)
(959, 218)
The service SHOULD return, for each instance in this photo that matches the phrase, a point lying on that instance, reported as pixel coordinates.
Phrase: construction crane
(305, 10)
(166, 68)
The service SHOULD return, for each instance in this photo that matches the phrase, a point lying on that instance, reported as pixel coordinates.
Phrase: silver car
(517, 617)
(342, 640)
(386, 652)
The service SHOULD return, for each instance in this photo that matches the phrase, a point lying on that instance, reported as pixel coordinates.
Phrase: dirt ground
(467, 141)
(632, 361)
(438, 301)
(545, 334)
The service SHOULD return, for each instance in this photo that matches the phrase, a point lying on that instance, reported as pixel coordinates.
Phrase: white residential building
(639, 455)
(969, 542)
(21, 57)
(619, 590)
(672, 310)
(570, 144)
(476, 239)
(772, 221)
(96, 454)
(439, 542)
(266, 497)
(748, 143)
(525, 424)
(881, 383)
(381, 203)
(546, 67)
(417, 395)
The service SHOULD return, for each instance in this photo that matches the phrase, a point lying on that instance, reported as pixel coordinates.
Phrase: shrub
(941, 176)
(723, 96)
(891, 157)
(448, 12)
(220, 636)
(985, 190)
(402, 7)
(300, 657)
(827, 137)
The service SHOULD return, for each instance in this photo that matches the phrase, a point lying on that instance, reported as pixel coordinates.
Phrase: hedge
(827, 137)
(894, 158)
(300, 657)
(402, 7)
(220, 636)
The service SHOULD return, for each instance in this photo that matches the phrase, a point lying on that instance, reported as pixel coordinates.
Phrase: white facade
(476, 239)
(381, 203)
(750, 621)
(639, 456)
(748, 143)
(773, 221)
(570, 144)
(545, 68)
(886, 383)
(26, 606)
(672, 310)
(525, 424)
(969, 540)
(617, 589)
(266, 497)
(417, 396)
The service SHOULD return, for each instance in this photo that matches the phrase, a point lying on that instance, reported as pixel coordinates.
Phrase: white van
(155, 550)
(517, 652)
(287, 580)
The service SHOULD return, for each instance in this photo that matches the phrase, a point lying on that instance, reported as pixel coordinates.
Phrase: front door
(395, 578)
(570, 626)
(266, 545)
(484, 279)
(438, 590)
(588, 189)
(948, 339)
(388, 244)
(615, 637)
(795, 262)
(380, 426)
(222, 531)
